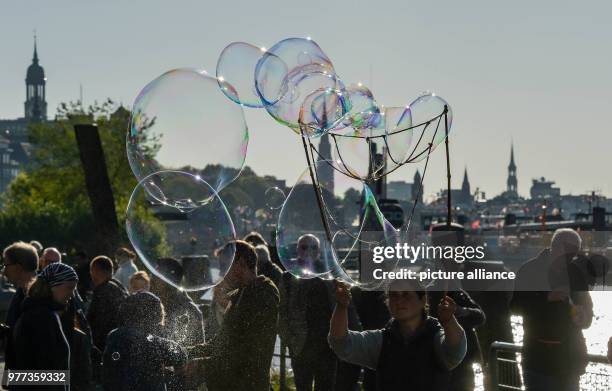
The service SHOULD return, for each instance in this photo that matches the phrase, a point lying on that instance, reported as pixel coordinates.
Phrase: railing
(504, 369)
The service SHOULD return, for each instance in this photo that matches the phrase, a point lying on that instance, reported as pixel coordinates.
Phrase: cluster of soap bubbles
(176, 209)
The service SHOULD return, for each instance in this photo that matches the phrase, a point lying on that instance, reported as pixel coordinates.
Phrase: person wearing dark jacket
(40, 341)
(19, 267)
(414, 351)
(184, 322)
(469, 315)
(552, 295)
(107, 296)
(239, 357)
(306, 306)
(136, 356)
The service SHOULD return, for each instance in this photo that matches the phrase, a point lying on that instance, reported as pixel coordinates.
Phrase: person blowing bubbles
(414, 351)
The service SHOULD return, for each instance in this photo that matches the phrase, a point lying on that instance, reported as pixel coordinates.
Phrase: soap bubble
(235, 70)
(275, 197)
(179, 245)
(182, 121)
(357, 259)
(363, 107)
(115, 356)
(321, 110)
(427, 112)
(289, 72)
(377, 149)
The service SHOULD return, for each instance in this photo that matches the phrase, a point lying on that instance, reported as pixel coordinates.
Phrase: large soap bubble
(427, 112)
(380, 147)
(300, 217)
(322, 110)
(289, 72)
(309, 247)
(235, 69)
(182, 121)
(192, 236)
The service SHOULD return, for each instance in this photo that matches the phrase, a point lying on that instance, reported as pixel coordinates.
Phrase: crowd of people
(117, 328)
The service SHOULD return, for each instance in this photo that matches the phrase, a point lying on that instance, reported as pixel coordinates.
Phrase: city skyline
(538, 86)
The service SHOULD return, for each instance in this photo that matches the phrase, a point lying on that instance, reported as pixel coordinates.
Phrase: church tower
(325, 170)
(416, 186)
(466, 193)
(512, 182)
(35, 104)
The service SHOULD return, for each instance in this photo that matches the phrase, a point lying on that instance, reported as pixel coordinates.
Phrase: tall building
(417, 191)
(512, 182)
(465, 195)
(325, 171)
(35, 104)
(14, 146)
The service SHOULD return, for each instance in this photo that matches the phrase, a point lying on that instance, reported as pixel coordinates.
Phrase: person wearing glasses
(20, 261)
(414, 351)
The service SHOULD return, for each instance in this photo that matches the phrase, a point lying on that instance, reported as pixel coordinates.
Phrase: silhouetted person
(305, 310)
(239, 356)
(108, 294)
(552, 296)
(20, 261)
(40, 341)
(49, 255)
(414, 352)
(85, 285)
(184, 322)
(126, 267)
(136, 356)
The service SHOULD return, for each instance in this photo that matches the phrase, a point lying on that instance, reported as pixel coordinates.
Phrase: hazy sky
(537, 73)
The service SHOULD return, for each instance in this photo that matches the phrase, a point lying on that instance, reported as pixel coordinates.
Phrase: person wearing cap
(40, 341)
(136, 356)
(184, 321)
(20, 261)
(414, 351)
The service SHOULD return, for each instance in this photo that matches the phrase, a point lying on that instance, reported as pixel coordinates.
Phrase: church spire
(35, 57)
(512, 181)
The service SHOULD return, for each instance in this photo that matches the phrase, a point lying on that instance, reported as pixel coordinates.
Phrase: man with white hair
(551, 294)
(50, 255)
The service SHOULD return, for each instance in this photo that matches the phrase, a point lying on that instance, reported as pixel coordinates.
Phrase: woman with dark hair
(414, 351)
(40, 341)
(136, 357)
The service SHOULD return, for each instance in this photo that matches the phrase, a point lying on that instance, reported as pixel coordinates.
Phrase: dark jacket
(306, 307)
(39, 340)
(241, 354)
(13, 314)
(550, 321)
(103, 311)
(136, 361)
(469, 317)
(411, 364)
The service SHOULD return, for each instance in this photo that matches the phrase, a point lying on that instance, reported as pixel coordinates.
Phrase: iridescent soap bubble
(301, 217)
(163, 234)
(377, 149)
(290, 71)
(235, 70)
(275, 197)
(363, 107)
(182, 121)
(322, 110)
(427, 113)
(357, 255)
(116, 356)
